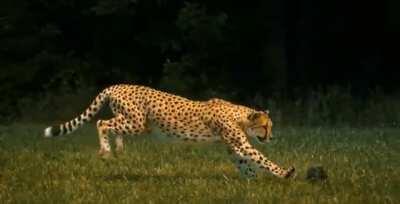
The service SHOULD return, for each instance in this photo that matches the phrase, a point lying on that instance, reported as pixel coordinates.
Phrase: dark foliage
(275, 50)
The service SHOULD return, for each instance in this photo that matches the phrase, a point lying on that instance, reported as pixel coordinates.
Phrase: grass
(362, 165)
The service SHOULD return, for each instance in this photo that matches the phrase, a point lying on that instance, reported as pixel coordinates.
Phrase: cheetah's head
(259, 125)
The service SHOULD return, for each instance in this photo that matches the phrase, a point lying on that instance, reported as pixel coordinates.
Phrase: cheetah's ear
(266, 111)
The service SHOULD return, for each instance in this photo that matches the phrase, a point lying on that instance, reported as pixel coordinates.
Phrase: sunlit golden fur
(138, 109)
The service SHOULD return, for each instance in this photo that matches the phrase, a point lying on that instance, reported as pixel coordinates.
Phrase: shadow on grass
(133, 177)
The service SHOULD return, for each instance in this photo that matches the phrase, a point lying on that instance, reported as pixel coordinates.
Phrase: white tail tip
(47, 132)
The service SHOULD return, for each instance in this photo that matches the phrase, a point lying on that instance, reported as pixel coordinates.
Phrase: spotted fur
(139, 109)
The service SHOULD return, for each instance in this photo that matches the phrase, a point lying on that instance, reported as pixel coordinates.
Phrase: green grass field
(363, 166)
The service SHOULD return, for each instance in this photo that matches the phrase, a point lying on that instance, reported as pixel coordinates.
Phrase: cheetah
(139, 109)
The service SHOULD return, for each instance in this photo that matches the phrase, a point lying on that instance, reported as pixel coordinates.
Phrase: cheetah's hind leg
(118, 126)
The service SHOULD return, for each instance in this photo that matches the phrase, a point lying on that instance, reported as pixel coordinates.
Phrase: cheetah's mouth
(261, 139)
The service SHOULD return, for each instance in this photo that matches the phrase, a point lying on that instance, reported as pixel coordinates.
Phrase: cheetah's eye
(253, 116)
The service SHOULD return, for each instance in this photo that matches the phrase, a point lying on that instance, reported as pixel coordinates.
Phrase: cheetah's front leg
(238, 142)
(246, 169)
(249, 154)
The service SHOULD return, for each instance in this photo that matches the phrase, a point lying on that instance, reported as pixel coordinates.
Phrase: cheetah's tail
(86, 116)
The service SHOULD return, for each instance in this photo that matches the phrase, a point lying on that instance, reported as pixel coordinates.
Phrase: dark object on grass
(316, 173)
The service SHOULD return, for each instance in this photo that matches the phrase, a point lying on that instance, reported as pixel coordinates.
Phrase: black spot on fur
(55, 131)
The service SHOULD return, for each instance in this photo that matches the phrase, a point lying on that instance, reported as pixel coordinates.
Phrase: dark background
(294, 56)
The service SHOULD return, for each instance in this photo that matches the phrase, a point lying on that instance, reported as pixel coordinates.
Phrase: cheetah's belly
(177, 132)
